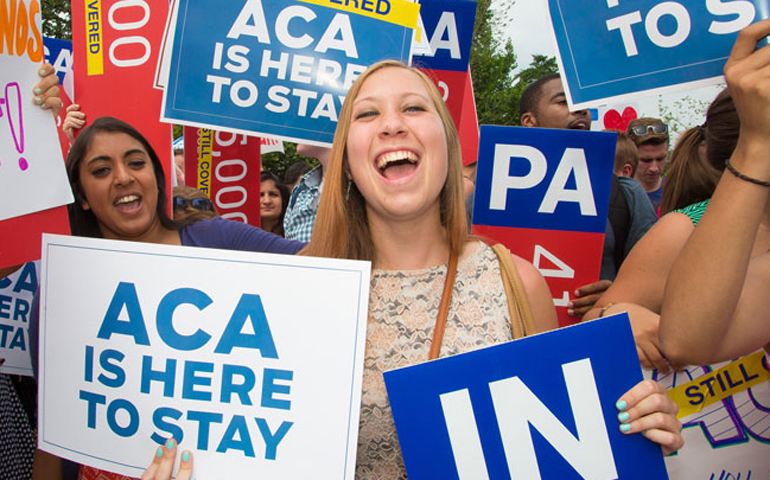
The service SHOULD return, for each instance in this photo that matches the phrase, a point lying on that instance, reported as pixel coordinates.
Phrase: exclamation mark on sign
(12, 102)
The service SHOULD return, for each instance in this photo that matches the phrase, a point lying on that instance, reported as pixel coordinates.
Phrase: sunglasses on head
(640, 130)
(196, 203)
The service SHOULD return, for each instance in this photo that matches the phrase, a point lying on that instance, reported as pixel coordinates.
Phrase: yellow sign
(94, 33)
(717, 385)
(400, 12)
(205, 149)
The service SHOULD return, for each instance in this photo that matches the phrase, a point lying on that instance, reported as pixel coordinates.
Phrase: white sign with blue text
(542, 407)
(251, 361)
(16, 293)
(276, 67)
(620, 49)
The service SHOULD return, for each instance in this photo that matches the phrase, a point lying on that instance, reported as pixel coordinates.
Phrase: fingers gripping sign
(163, 463)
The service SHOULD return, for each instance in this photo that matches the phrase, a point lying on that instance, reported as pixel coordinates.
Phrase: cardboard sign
(443, 53)
(541, 407)
(32, 176)
(277, 67)
(725, 413)
(650, 46)
(208, 346)
(226, 167)
(116, 45)
(16, 292)
(544, 194)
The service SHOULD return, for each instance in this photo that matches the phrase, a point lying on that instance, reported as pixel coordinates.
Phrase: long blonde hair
(341, 228)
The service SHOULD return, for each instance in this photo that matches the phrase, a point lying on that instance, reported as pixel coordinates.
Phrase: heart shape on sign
(615, 121)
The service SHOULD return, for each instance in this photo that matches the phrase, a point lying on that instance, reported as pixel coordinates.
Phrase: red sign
(457, 91)
(115, 45)
(20, 236)
(226, 167)
(566, 259)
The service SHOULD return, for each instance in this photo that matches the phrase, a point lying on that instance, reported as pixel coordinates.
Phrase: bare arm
(713, 308)
(642, 277)
(539, 295)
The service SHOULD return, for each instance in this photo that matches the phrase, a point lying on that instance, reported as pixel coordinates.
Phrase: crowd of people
(391, 191)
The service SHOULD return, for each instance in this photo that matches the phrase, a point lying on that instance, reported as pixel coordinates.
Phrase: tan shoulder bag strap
(522, 323)
(443, 308)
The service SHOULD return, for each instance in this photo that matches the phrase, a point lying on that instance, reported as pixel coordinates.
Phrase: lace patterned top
(403, 306)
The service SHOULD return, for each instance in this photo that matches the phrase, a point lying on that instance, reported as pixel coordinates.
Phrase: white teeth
(127, 199)
(397, 155)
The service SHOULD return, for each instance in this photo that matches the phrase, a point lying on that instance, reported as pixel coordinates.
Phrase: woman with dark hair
(120, 193)
(638, 288)
(393, 194)
(273, 201)
(728, 255)
(694, 172)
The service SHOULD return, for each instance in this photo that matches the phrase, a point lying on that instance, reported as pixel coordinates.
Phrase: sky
(530, 32)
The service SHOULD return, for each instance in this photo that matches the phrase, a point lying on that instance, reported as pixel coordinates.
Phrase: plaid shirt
(303, 205)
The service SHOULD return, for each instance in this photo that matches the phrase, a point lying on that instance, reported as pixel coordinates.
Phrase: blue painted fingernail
(625, 427)
(185, 456)
(38, 91)
(159, 453)
(170, 443)
(621, 405)
(38, 100)
(42, 73)
(623, 416)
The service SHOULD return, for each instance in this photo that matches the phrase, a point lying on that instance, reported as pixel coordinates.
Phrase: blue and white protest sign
(447, 35)
(619, 49)
(544, 194)
(278, 67)
(251, 361)
(59, 54)
(16, 293)
(541, 407)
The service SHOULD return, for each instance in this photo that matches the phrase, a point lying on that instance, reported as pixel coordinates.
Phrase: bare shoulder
(672, 230)
(538, 293)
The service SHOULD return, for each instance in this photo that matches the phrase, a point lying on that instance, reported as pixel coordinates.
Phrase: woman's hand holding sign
(646, 408)
(47, 90)
(163, 463)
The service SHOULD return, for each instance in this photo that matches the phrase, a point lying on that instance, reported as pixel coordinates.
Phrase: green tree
(56, 19)
(492, 63)
(277, 163)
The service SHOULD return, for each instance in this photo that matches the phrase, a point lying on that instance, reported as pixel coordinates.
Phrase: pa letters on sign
(206, 346)
(649, 44)
(544, 194)
(274, 67)
(541, 407)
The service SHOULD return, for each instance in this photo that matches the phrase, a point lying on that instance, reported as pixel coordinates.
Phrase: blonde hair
(341, 228)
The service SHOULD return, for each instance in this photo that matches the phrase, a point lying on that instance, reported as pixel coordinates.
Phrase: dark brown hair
(83, 222)
(690, 177)
(284, 191)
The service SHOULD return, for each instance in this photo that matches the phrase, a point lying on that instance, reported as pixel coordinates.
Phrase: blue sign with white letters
(544, 178)
(59, 54)
(450, 26)
(621, 47)
(539, 407)
(273, 67)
